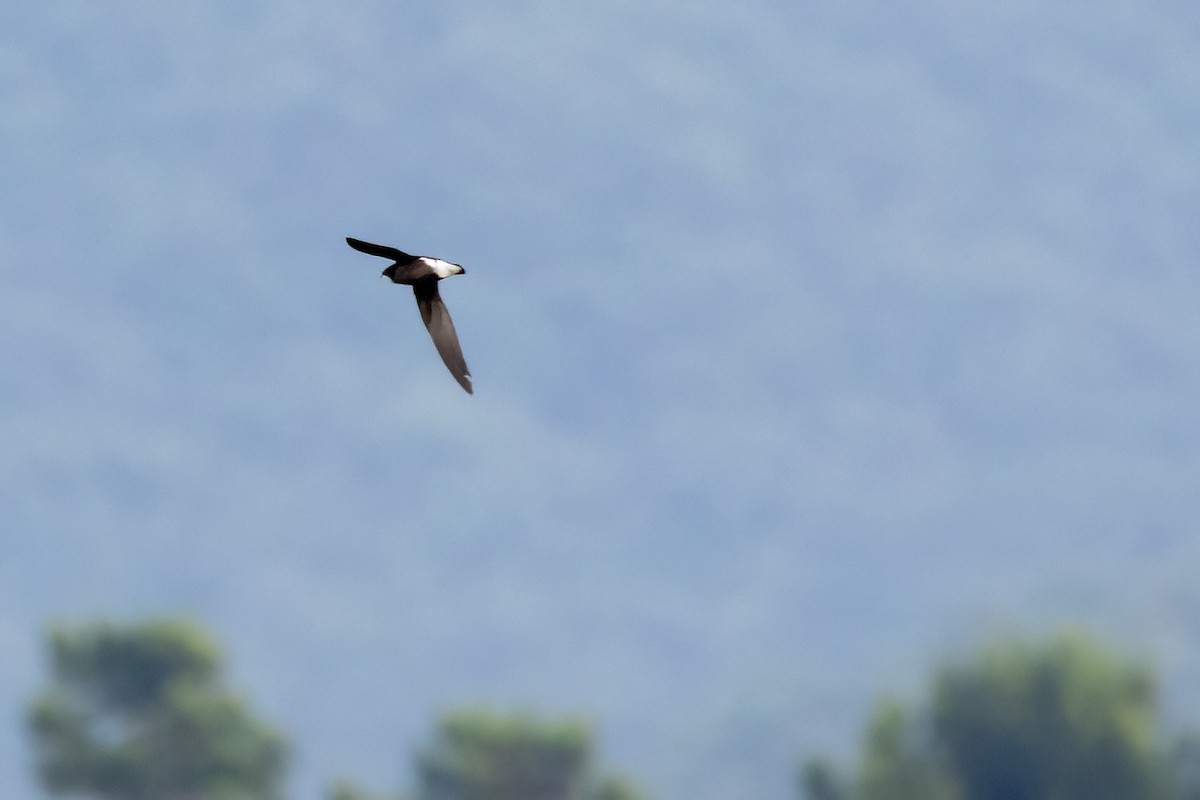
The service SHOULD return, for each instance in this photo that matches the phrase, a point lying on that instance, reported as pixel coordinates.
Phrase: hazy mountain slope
(804, 340)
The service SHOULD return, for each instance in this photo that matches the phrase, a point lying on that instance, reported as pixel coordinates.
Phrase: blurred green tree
(819, 780)
(1064, 720)
(345, 790)
(1060, 720)
(138, 712)
(899, 762)
(479, 754)
(615, 787)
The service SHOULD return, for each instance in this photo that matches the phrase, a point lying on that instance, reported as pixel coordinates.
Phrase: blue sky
(811, 343)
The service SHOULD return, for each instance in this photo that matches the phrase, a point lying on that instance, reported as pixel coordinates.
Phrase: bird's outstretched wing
(378, 250)
(441, 329)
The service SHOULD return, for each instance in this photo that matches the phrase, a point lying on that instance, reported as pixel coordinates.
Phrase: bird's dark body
(412, 273)
(422, 273)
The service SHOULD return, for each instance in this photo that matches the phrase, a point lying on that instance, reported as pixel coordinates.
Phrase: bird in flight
(422, 273)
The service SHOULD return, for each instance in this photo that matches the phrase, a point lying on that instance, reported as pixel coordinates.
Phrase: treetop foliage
(138, 712)
(129, 670)
(479, 754)
(1063, 719)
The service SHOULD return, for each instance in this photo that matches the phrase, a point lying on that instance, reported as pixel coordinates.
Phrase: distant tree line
(1059, 720)
(142, 712)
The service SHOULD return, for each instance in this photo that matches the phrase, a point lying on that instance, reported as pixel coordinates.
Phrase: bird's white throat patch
(443, 269)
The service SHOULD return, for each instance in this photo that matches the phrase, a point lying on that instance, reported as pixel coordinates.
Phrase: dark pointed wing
(378, 250)
(441, 328)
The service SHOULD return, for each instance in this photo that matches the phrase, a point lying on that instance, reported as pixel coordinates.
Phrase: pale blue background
(813, 343)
